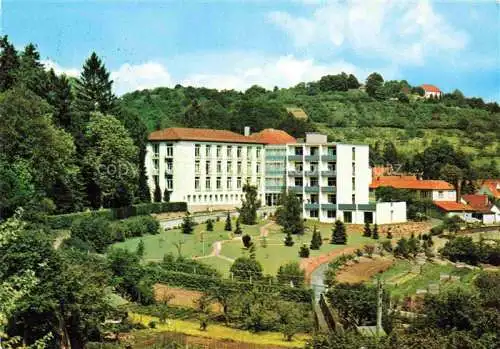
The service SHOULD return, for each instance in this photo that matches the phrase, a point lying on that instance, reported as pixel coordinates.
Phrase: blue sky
(235, 44)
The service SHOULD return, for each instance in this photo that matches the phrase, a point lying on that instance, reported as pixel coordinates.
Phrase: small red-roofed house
(490, 187)
(484, 210)
(431, 91)
(453, 208)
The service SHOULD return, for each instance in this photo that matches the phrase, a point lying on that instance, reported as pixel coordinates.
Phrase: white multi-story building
(208, 168)
(203, 167)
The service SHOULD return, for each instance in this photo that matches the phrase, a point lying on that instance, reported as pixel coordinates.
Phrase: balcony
(329, 173)
(275, 172)
(311, 206)
(295, 157)
(169, 171)
(367, 207)
(156, 171)
(295, 189)
(295, 173)
(328, 189)
(278, 188)
(156, 155)
(312, 173)
(329, 157)
(312, 157)
(275, 157)
(348, 207)
(329, 206)
(312, 189)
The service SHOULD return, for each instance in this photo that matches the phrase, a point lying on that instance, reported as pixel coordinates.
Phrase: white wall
(391, 212)
(446, 195)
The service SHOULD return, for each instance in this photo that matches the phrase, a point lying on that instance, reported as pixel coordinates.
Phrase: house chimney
(246, 131)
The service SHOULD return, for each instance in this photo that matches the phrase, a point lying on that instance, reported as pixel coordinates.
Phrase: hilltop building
(431, 91)
(208, 168)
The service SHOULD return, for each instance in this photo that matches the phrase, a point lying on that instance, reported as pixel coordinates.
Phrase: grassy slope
(277, 254)
(347, 116)
(400, 283)
(221, 332)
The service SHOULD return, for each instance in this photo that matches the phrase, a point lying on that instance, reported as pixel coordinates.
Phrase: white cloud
(138, 77)
(60, 70)
(406, 32)
(281, 71)
(231, 72)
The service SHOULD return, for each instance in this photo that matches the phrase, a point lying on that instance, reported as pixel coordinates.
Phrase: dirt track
(364, 270)
(179, 297)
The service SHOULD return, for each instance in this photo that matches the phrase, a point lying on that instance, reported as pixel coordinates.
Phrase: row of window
(229, 167)
(313, 166)
(347, 215)
(218, 183)
(169, 150)
(229, 150)
(313, 151)
(314, 181)
(214, 198)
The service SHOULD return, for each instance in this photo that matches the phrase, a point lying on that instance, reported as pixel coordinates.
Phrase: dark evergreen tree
(247, 240)
(188, 224)
(367, 231)
(9, 63)
(390, 153)
(31, 72)
(94, 87)
(143, 194)
(249, 205)
(304, 251)
(389, 233)
(166, 195)
(140, 249)
(375, 234)
(289, 240)
(238, 230)
(339, 236)
(316, 240)
(157, 193)
(210, 225)
(228, 225)
(289, 214)
(59, 96)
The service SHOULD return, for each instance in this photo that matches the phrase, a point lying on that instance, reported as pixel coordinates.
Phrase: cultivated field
(363, 270)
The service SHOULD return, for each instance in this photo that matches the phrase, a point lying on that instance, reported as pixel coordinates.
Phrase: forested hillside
(392, 112)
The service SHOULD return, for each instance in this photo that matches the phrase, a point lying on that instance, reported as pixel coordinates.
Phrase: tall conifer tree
(94, 88)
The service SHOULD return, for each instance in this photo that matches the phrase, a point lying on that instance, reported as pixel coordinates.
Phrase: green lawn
(156, 246)
(277, 254)
(401, 282)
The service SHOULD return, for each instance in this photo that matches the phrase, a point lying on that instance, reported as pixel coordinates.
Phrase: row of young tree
(66, 143)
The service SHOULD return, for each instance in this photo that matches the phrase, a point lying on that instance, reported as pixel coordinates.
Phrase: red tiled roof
(453, 206)
(479, 203)
(430, 88)
(272, 136)
(409, 182)
(492, 185)
(200, 134)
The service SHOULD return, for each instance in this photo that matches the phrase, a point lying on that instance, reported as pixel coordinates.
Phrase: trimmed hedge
(204, 283)
(66, 220)
(134, 227)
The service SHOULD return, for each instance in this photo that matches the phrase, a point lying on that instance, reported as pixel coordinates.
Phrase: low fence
(329, 315)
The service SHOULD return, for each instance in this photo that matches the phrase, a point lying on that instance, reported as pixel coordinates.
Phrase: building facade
(435, 190)
(205, 168)
(208, 168)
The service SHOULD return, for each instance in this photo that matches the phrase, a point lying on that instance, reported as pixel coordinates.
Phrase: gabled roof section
(493, 186)
(479, 203)
(430, 88)
(273, 136)
(410, 182)
(201, 135)
(453, 206)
